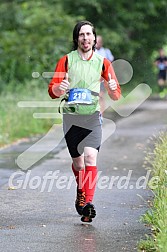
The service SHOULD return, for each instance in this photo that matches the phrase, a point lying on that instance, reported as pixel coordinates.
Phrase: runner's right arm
(59, 75)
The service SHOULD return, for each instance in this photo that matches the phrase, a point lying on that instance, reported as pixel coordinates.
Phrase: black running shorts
(82, 131)
(162, 75)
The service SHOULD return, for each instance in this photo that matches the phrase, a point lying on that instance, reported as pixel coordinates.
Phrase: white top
(106, 53)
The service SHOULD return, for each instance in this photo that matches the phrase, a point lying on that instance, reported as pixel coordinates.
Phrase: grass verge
(18, 122)
(156, 216)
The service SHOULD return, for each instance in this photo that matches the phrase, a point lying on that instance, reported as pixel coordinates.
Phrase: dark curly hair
(76, 33)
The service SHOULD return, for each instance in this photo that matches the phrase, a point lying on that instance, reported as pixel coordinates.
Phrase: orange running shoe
(80, 202)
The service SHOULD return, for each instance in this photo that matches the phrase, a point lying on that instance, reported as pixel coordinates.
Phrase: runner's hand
(111, 83)
(64, 85)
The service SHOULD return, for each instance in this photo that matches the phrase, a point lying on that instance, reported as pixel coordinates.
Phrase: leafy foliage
(132, 30)
(33, 38)
(156, 216)
(35, 34)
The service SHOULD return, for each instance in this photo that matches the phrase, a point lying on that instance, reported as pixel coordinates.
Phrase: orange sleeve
(59, 74)
(108, 68)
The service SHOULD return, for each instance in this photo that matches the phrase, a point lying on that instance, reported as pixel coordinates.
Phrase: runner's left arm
(108, 69)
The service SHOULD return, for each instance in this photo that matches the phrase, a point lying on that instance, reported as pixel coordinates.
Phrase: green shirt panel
(84, 74)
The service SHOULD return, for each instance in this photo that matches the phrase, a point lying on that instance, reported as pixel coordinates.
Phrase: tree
(34, 35)
(33, 38)
(133, 30)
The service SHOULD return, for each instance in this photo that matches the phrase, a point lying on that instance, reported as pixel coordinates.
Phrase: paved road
(39, 215)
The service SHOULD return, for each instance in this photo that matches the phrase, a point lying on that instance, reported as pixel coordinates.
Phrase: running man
(77, 80)
(105, 52)
(161, 64)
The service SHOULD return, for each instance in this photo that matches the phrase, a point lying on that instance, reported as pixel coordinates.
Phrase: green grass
(17, 122)
(156, 216)
(147, 245)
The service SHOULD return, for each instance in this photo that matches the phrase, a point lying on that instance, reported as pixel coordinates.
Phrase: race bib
(79, 96)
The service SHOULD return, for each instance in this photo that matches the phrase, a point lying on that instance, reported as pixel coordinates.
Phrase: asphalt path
(37, 203)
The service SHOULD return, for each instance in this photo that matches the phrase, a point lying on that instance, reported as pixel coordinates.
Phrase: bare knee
(90, 159)
(78, 164)
(90, 156)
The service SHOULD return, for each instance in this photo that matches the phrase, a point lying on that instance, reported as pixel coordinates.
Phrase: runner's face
(86, 38)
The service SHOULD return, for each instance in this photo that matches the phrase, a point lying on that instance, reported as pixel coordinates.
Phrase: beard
(85, 46)
(84, 50)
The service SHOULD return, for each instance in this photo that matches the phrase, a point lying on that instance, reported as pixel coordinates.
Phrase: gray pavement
(39, 214)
